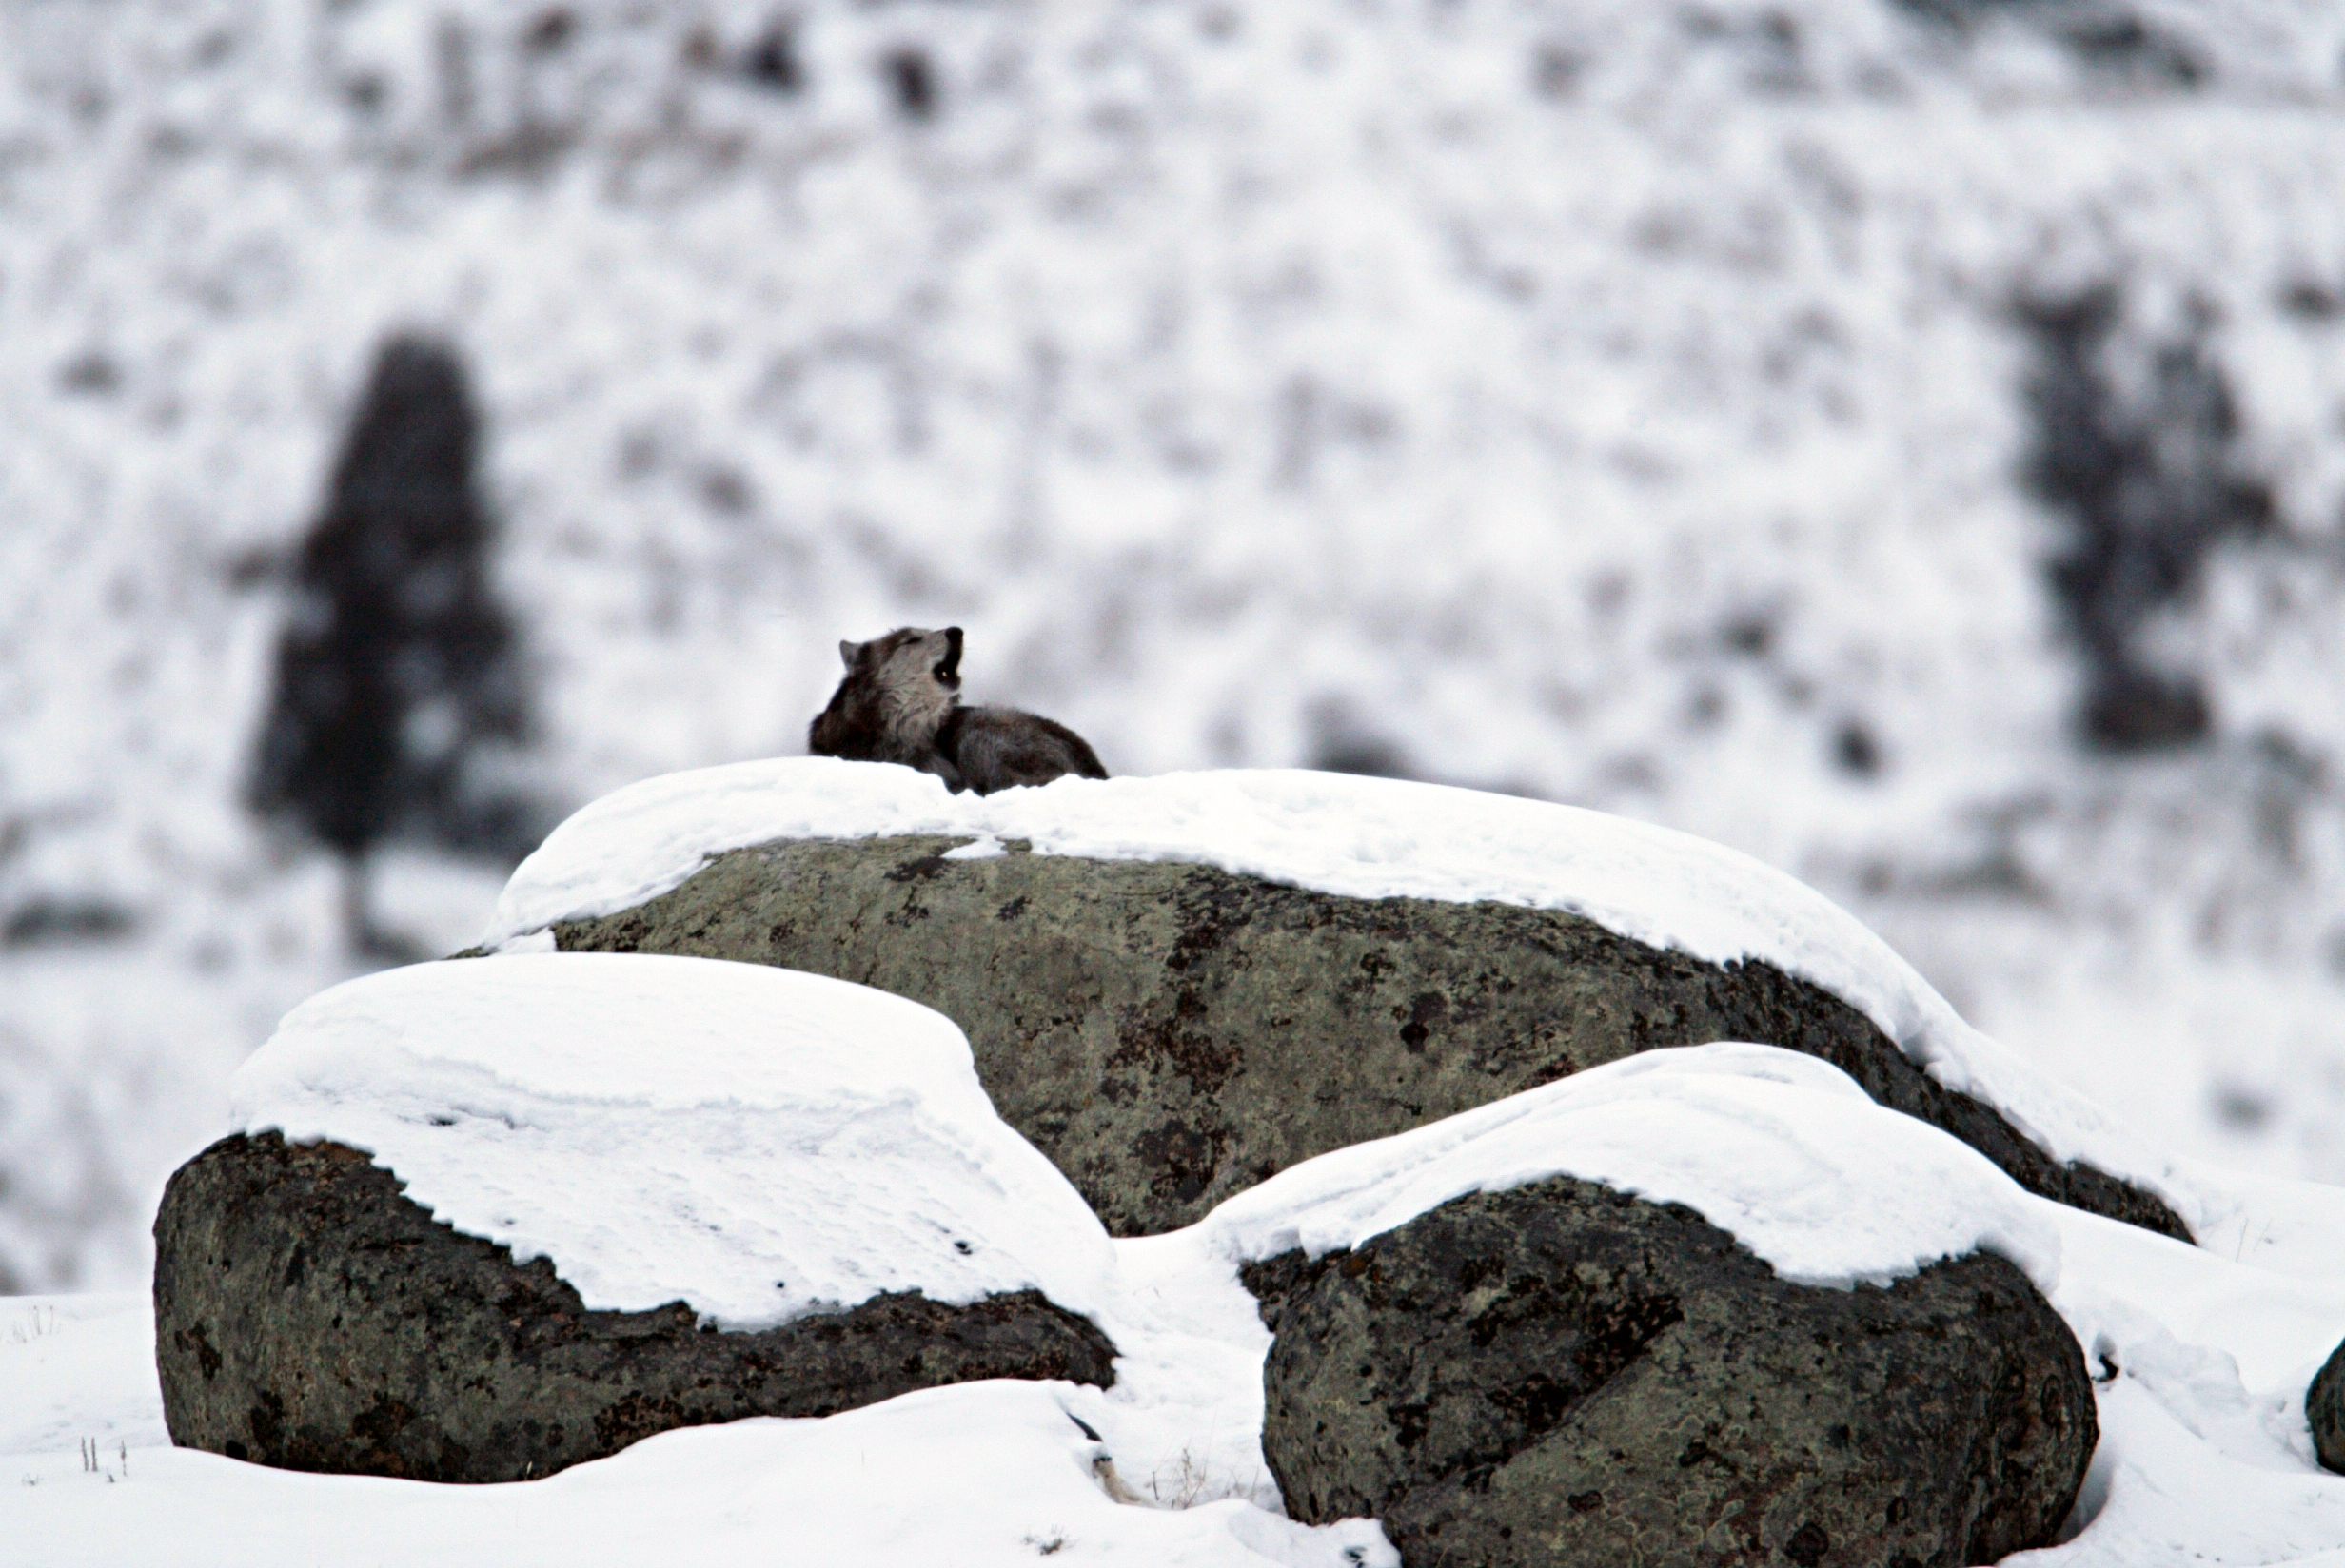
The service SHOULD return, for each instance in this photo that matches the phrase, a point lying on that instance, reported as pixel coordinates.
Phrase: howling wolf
(900, 702)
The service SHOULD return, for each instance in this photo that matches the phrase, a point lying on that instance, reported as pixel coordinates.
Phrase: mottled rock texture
(1562, 1374)
(2324, 1406)
(1171, 1034)
(308, 1316)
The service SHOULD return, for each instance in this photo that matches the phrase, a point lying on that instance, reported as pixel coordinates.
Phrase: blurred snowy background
(1903, 439)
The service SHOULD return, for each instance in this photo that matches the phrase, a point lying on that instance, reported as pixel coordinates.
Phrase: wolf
(900, 702)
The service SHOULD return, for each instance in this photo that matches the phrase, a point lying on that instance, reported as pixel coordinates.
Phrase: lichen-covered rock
(1561, 1373)
(1169, 1034)
(309, 1316)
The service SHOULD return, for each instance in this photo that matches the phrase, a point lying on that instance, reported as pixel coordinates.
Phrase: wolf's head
(900, 661)
(912, 676)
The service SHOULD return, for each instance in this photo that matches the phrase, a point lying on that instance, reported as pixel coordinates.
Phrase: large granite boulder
(1560, 1373)
(1170, 1033)
(309, 1316)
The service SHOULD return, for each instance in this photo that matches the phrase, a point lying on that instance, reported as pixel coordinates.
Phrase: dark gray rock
(308, 1316)
(1171, 1034)
(2324, 1406)
(1562, 1374)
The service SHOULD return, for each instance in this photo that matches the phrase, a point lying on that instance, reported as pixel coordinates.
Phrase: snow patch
(536, 941)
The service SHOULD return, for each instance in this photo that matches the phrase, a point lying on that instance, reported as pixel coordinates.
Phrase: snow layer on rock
(759, 1142)
(1781, 1149)
(1339, 833)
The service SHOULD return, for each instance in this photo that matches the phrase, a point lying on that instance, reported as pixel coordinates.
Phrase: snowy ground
(983, 1474)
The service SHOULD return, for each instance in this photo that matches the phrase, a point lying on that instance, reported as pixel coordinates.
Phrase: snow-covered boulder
(1708, 1306)
(483, 1221)
(1176, 986)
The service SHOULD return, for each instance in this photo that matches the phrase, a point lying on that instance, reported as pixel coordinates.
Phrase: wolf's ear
(847, 652)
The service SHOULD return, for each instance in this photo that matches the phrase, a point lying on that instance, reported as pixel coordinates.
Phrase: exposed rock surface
(307, 1315)
(1560, 1373)
(1171, 1034)
(2324, 1406)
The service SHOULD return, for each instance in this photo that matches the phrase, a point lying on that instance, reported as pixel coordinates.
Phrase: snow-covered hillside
(1657, 407)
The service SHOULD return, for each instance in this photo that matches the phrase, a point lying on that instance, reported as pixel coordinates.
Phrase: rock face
(2324, 1406)
(308, 1316)
(1171, 1034)
(1559, 1373)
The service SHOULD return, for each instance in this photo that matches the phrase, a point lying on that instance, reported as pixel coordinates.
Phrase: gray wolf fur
(900, 702)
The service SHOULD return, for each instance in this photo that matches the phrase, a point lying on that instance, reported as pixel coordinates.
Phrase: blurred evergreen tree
(398, 689)
(2142, 459)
